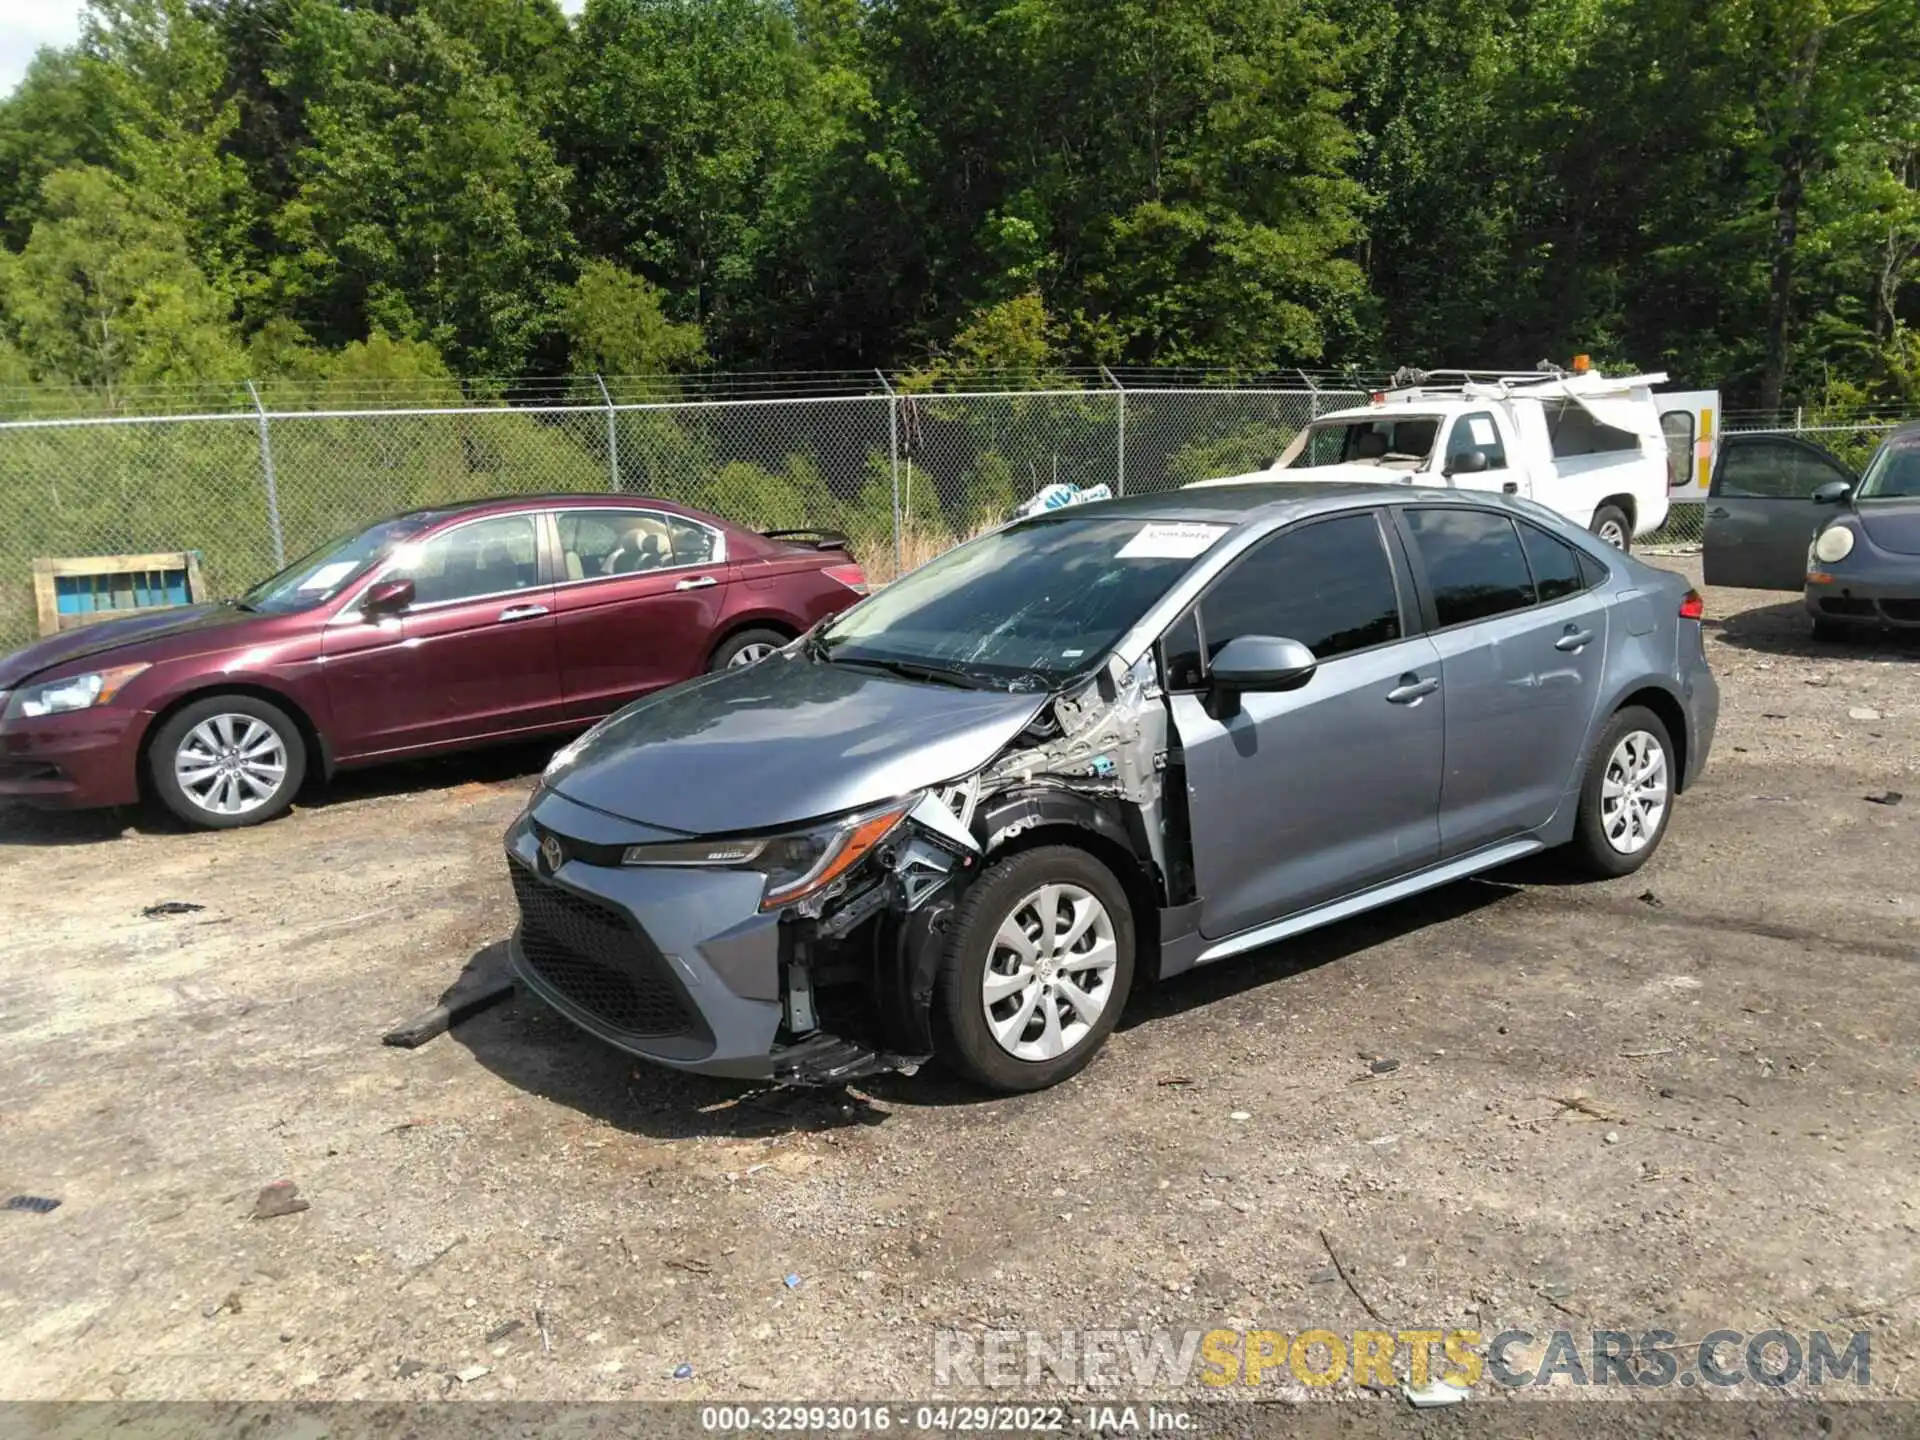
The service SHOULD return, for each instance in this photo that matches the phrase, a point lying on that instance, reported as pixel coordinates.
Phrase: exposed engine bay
(860, 960)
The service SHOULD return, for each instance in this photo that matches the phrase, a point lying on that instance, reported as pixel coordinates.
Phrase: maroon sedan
(432, 631)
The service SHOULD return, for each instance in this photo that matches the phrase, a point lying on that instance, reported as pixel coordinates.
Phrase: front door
(1523, 643)
(471, 658)
(1310, 794)
(642, 596)
(1482, 432)
(1760, 511)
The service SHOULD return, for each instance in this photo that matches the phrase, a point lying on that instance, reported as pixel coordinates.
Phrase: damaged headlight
(798, 864)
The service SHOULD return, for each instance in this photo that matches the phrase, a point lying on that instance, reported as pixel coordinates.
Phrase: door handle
(521, 612)
(1412, 689)
(700, 584)
(1717, 512)
(1512, 487)
(1573, 639)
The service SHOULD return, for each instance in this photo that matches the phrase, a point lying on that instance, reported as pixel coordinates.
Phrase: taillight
(851, 576)
(1693, 607)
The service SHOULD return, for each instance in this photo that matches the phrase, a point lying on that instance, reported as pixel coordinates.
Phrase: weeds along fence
(257, 476)
(904, 474)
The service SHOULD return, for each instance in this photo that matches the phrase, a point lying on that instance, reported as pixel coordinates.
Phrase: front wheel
(1610, 523)
(1628, 794)
(227, 761)
(1037, 967)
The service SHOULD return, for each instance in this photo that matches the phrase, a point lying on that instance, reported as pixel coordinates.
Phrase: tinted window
(1773, 469)
(1474, 563)
(1328, 585)
(1031, 604)
(1555, 564)
(1592, 571)
(1477, 432)
(625, 542)
(486, 557)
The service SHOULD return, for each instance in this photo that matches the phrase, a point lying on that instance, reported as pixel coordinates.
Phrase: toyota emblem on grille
(552, 852)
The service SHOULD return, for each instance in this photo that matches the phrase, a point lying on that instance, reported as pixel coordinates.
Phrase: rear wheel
(1038, 965)
(1610, 523)
(1628, 794)
(749, 647)
(227, 761)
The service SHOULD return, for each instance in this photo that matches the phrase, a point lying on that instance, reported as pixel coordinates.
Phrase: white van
(1589, 446)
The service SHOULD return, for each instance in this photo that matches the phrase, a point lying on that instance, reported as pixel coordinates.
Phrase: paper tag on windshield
(327, 576)
(1482, 429)
(1168, 541)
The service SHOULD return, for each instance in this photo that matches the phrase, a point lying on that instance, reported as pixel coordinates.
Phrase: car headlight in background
(1833, 543)
(74, 692)
(796, 865)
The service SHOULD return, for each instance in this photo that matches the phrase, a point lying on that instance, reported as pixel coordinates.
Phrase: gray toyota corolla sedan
(964, 818)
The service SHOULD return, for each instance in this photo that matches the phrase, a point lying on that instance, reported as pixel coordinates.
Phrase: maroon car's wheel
(226, 761)
(749, 647)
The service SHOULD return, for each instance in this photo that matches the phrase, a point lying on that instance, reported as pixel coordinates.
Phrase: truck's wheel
(1610, 523)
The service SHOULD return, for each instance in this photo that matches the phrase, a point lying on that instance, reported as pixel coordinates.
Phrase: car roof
(1258, 500)
(434, 514)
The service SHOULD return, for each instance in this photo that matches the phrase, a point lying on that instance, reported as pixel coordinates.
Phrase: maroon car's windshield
(318, 577)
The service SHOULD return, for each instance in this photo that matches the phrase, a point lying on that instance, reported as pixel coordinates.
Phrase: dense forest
(202, 190)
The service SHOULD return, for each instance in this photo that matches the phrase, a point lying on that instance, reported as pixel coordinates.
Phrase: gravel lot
(1736, 1024)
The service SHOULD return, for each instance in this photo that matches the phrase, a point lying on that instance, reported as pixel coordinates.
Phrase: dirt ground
(1736, 1024)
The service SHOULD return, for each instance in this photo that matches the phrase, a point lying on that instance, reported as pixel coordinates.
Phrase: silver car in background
(1105, 745)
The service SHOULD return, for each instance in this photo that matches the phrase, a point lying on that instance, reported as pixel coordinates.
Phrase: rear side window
(1327, 584)
(1474, 563)
(1555, 564)
(1592, 571)
(1575, 432)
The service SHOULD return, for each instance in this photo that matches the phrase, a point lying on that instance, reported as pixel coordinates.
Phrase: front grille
(1846, 605)
(595, 958)
(1907, 612)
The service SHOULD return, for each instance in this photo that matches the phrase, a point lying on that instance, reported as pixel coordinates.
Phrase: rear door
(1523, 643)
(1310, 794)
(1760, 510)
(641, 594)
(470, 659)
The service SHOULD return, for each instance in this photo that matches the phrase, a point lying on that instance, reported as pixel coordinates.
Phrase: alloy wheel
(751, 654)
(1050, 972)
(1633, 793)
(1614, 533)
(231, 764)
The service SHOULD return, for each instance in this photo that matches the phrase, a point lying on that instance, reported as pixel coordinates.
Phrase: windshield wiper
(914, 670)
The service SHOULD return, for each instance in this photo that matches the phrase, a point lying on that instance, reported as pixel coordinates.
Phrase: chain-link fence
(263, 475)
(904, 474)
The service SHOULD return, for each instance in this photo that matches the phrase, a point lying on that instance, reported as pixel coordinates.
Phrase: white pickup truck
(1589, 446)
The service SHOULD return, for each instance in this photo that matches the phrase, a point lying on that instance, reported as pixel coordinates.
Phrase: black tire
(1590, 847)
(1825, 629)
(733, 645)
(1613, 516)
(962, 1037)
(168, 740)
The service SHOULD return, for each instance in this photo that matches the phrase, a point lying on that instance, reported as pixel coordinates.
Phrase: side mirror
(1256, 663)
(1467, 462)
(1834, 492)
(389, 597)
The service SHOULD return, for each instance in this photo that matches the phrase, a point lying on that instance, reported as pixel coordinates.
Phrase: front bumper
(675, 966)
(1869, 598)
(76, 761)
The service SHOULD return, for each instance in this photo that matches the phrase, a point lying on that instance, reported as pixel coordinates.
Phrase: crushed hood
(1892, 525)
(787, 740)
(108, 635)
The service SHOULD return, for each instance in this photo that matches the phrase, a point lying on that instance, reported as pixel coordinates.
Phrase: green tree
(616, 326)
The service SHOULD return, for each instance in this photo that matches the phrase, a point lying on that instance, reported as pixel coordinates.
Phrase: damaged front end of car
(1098, 767)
